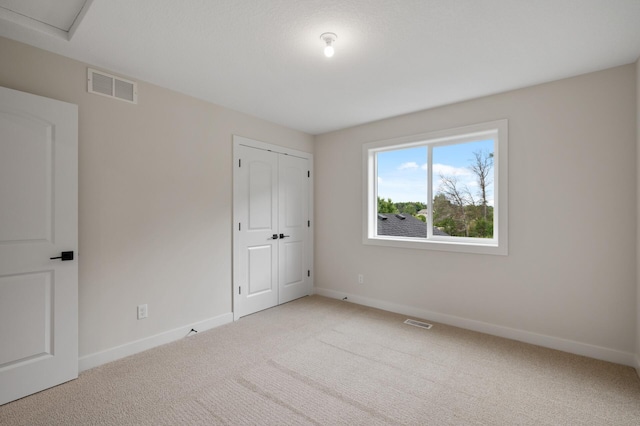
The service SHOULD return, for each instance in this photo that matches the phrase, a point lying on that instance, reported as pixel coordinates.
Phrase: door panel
(293, 172)
(293, 254)
(38, 220)
(36, 328)
(26, 150)
(257, 204)
(260, 270)
(293, 190)
(261, 194)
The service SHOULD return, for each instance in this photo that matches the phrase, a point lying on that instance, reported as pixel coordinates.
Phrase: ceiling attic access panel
(57, 18)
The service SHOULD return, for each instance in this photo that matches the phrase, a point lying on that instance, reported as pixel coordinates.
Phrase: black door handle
(65, 255)
(284, 236)
(275, 237)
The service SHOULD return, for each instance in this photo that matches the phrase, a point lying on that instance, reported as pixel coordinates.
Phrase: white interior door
(293, 228)
(272, 239)
(38, 220)
(257, 214)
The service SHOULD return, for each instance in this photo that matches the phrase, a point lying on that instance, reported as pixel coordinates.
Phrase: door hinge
(308, 224)
(308, 174)
(239, 290)
(239, 226)
(308, 272)
(239, 162)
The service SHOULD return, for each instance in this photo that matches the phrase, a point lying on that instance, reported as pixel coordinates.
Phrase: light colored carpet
(319, 361)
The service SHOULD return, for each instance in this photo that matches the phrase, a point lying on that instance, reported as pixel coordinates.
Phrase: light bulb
(329, 39)
(328, 51)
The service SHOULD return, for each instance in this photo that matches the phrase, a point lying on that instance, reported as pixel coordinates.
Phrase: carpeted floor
(326, 362)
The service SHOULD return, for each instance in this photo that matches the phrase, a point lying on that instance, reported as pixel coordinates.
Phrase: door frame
(252, 143)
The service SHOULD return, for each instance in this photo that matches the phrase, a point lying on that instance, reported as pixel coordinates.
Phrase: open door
(38, 243)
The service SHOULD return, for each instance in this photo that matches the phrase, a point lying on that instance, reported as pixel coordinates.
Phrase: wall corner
(638, 216)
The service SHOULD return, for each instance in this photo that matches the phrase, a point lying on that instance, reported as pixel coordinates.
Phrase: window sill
(491, 247)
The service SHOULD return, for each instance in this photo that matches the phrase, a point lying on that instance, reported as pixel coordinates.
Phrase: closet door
(272, 239)
(256, 193)
(293, 228)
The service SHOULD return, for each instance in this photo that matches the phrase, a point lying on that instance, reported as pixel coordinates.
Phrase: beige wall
(155, 209)
(154, 199)
(570, 273)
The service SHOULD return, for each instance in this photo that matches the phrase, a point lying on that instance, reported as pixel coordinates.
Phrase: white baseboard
(578, 348)
(93, 360)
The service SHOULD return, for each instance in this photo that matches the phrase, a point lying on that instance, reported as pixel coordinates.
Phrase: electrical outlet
(143, 311)
(360, 279)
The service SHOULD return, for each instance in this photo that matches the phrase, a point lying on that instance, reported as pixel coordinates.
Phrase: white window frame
(498, 245)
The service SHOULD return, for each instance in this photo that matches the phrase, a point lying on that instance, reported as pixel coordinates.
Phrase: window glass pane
(463, 196)
(444, 185)
(402, 192)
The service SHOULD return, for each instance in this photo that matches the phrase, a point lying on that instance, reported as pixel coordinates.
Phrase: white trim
(235, 250)
(499, 245)
(79, 19)
(637, 364)
(98, 358)
(25, 21)
(241, 140)
(571, 346)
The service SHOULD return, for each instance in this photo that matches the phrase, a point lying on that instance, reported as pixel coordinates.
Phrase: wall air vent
(104, 84)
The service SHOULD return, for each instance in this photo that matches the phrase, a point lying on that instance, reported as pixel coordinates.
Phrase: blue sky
(402, 174)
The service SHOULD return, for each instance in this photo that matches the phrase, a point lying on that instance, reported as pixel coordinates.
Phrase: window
(444, 190)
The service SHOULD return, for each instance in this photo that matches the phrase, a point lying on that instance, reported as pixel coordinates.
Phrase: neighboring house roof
(423, 212)
(403, 225)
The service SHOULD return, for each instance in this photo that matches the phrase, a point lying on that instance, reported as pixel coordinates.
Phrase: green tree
(449, 226)
(386, 206)
(482, 228)
(410, 209)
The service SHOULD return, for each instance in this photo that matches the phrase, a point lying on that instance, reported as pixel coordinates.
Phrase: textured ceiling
(392, 57)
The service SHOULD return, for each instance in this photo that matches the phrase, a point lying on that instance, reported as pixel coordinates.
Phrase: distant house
(403, 225)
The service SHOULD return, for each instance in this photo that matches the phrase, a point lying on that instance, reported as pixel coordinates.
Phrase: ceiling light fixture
(329, 39)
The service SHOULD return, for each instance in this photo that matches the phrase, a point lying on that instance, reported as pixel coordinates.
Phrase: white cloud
(446, 170)
(411, 165)
(401, 185)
